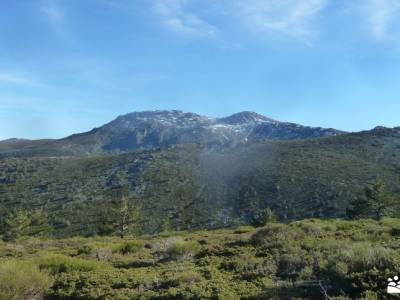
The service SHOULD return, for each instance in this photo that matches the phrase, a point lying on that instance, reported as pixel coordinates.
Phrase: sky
(67, 66)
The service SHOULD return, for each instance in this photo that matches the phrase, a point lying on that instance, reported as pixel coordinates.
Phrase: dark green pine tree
(23, 223)
(377, 202)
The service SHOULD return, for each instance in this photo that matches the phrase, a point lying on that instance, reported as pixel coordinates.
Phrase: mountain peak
(161, 117)
(144, 130)
(246, 117)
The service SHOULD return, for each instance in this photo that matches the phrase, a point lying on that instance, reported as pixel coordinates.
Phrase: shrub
(250, 267)
(85, 249)
(364, 256)
(22, 280)
(128, 247)
(186, 277)
(275, 235)
(177, 248)
(182, 250)
(103, 254)
(369, 295)
(58, 263)
(291, 265)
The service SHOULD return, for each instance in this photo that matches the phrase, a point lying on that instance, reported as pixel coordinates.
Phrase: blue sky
(67, 66)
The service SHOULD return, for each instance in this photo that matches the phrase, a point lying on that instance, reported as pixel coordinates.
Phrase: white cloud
(292, 18)
(380, 16)
(19, 79)
(176, 15)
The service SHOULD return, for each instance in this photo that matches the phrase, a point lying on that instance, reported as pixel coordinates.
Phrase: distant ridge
(164, 128)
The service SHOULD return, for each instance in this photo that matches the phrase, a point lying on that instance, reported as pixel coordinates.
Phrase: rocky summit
(160, 129)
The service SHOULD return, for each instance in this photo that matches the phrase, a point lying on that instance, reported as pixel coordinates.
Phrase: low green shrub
(22, 280)
(58, 263)
(182, 250)
(364, 256)
(249, 267)
(177, 248)
(291, 265)
(85, 250)
(276, 235)
(186, 278)
(128, 247)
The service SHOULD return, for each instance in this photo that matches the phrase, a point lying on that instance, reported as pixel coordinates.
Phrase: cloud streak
(291, 18)
(176, 16)
(380, 16)
(55, 16)
(18, 79)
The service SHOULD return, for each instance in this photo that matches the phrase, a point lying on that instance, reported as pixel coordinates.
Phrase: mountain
(160, 129)
(196, 186)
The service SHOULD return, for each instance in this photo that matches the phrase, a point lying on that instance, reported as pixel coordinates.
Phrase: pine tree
(127, 219)
(264, 217)
(376, 203)
(23, 223)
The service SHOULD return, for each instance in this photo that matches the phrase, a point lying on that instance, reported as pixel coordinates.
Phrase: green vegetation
(310, 259)
(193, 187)
(22, 280)
(377, 202)
(23, 223)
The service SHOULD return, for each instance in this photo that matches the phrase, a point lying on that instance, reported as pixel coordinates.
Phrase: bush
(128, 247)
(177, 248)
(22, 280)
(186, 277)
(250, 267)
(183, 250)
(85, 249)
(290, 266)
(363, 256)
(58, 263)
(275, 235)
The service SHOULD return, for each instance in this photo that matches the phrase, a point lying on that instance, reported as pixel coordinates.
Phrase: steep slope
(159, 129)
(194, 186)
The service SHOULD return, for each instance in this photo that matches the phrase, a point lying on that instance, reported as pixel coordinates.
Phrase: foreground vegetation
(311, 259)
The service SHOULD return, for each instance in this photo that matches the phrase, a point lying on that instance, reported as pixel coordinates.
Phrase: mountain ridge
(138, 131)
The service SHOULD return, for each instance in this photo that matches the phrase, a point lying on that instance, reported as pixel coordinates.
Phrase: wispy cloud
(54, 13)
(380, 16)
(291, 18)
(176, 15)
(18, 79)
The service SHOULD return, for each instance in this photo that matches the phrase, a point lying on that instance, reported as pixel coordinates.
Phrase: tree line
(123, 219)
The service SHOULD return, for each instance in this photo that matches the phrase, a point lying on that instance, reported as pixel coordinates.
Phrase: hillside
(193, 186)
(160, 129)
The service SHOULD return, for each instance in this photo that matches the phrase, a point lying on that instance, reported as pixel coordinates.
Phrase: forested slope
(192, 186)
